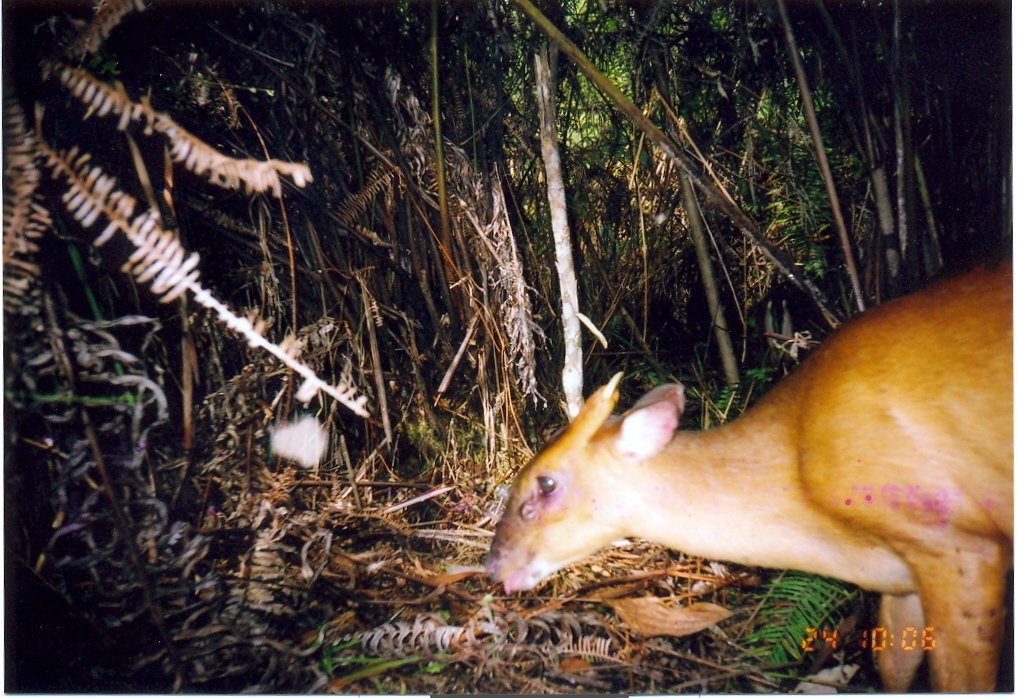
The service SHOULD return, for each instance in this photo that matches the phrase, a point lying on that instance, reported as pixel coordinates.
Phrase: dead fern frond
(425, 635)
(220, 219)
(267, 590)
(494, 236)
(482, 219)
(197, 156)
(105, 20)
(589, 647)
(24, 219)
(160, 259)
(372, 236)
(356, 204)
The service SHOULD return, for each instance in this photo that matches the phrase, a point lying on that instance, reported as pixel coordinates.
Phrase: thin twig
(824, 163)
(470, 329)
(379, 377)
(349, 469)
(416, 500)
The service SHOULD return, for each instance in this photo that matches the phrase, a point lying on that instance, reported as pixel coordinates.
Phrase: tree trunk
(572, 373)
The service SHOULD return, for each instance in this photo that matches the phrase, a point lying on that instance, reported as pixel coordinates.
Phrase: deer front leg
(962, 587)
(898, 661)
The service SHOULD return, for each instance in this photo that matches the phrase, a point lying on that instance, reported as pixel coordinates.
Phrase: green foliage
(103, 66)
(425, 439)
(434, 667)
(720, 402)
(793, 603)
(720, 19)
(371, 666)
(764, 375)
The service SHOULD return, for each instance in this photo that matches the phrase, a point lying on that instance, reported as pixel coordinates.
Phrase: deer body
(885, 460)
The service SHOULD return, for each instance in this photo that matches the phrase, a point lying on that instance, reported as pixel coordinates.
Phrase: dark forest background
(229, 568)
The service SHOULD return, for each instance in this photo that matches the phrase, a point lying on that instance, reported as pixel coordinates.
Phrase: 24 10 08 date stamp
(877, 639)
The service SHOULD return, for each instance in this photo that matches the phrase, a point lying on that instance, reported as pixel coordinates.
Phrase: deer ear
(650, 425)
(594, 412)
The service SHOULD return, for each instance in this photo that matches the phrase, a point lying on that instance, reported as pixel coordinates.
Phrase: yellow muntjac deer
(885, 460)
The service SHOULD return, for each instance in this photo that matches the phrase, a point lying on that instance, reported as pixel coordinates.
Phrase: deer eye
(546, 485)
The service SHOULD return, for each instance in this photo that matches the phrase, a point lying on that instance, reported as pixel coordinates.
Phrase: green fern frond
(794, 603)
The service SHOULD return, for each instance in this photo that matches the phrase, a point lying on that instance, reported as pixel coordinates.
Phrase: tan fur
(886, 460)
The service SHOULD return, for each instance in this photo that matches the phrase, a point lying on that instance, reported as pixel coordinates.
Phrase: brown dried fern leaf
(159, 259)
(590, 647)
(356, 204)
(24, 219)
(481, 218)
(369, 234)
(106, 18)
(425, 635)
(196, 155)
